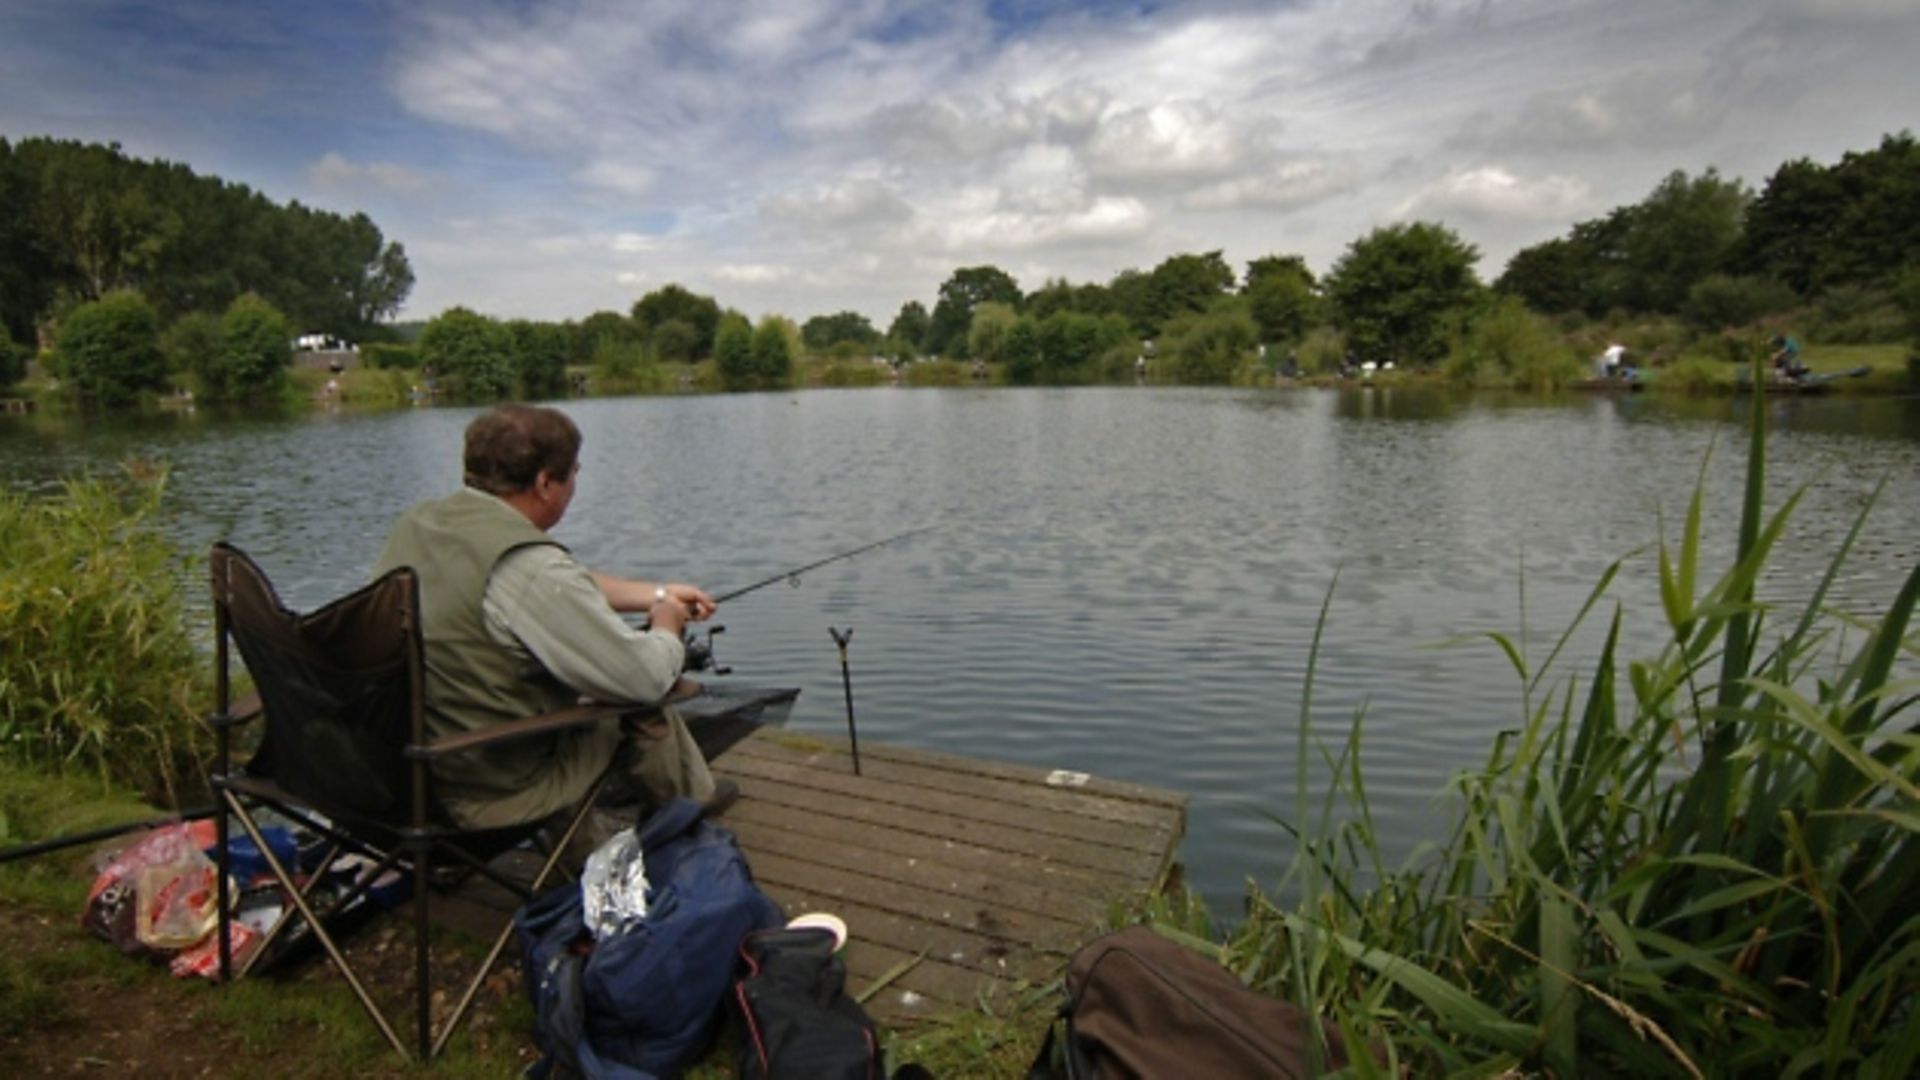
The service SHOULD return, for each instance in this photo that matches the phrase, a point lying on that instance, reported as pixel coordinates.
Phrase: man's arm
(540, 597)
(630, 594)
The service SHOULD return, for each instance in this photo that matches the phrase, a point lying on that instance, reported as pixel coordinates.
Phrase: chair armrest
(575, 716)
(244, 711)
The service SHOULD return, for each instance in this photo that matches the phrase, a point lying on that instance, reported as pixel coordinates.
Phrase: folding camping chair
(345, 752)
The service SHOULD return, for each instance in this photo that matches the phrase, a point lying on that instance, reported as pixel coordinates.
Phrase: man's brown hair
(509, 446)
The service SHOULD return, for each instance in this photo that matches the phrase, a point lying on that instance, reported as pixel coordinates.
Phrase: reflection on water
(1123, 581)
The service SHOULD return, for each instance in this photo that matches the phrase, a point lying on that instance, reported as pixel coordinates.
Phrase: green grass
(98, 673)
(1693, 858)
(1887, 373)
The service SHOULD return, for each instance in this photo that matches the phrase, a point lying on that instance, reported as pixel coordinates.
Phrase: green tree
(968, 288)
(1207, 348)
(679, 341)
(1070, 342)
(255, 346)
(1021, 350)
(13, 360)
(1722, 301)
(773, 350)
(1684, 230)
(1280, 296)
(822, 332)
(1131, 294)
(602, 326)
(472, 353)
(675, 303)
(1549, 276)
(733, 349)
(110, 348)
(1394, 290)
(987, 337)
(910, 326)
(1856, 222)
(540, 356)
(191, 343)
(1185, 285)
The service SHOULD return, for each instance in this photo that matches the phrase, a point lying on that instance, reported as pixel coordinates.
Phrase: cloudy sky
(549, 159)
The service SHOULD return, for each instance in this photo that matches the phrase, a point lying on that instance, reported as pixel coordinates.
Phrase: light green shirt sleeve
(542, 601)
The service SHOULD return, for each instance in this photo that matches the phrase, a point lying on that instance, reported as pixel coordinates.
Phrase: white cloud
(751, 273)
(821, 154)
(1490, 191)
(623, 177)
(334, 171)
(850, 203)
(1280, 187)
(631, 243)
(1106, 220)
(1175, 140)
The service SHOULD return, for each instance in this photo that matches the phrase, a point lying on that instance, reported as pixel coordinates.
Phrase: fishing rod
(700, 655)
(793, 576)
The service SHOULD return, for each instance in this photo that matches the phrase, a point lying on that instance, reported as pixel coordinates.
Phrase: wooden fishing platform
(959, 879)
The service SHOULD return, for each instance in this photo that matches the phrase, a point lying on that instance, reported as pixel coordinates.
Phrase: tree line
(1839, 243)
(85, 223)
(1836, 244)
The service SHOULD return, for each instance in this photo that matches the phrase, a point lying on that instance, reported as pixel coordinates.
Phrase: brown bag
(1142, 1006)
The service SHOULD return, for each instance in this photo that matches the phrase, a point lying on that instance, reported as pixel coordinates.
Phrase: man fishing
(515, 626)
(1786, 358)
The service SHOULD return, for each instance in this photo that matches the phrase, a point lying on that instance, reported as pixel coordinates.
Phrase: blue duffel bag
(644, 1003)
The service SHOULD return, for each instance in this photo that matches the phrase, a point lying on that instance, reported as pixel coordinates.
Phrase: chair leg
(506, 932)
(313, 922)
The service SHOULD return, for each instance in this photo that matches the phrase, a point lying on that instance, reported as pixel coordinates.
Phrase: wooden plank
(925, 871)
(960, 807)
(1094, 785)
(803, 800)
(850, 832)
(1029, 791)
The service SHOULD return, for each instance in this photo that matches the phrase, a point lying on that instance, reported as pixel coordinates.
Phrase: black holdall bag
(796, 1019)
(1140, 1005)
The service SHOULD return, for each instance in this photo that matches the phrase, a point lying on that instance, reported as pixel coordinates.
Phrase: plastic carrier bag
(158, 895)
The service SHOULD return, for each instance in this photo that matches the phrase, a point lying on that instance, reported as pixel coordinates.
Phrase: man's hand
(698, 605)
(668, 614)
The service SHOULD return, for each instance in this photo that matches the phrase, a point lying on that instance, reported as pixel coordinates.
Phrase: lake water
(1123, 581)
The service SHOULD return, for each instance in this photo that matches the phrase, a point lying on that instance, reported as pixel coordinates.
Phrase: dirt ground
(106, 1015)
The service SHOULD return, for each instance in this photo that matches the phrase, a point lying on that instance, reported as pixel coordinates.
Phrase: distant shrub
(13, 361)
(1208, 348)
(391, 355)
(733, 349)
(845, 373)
(1695, 374)
(775, 344)
(473, 353)
(1856, 315)
(937, 373)
(1322, 350)
(99, 668)
(252, 358)
(1905, 294)
(1508, 341)
(191, 343)
(110, 349)
(1719, 301)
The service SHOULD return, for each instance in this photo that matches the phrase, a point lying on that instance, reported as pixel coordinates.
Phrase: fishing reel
(700, 654)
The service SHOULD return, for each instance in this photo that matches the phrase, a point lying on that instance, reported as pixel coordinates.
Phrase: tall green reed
(97, 667)
(1709, 874)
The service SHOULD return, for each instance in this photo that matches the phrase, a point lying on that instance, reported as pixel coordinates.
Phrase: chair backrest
(340, 686)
